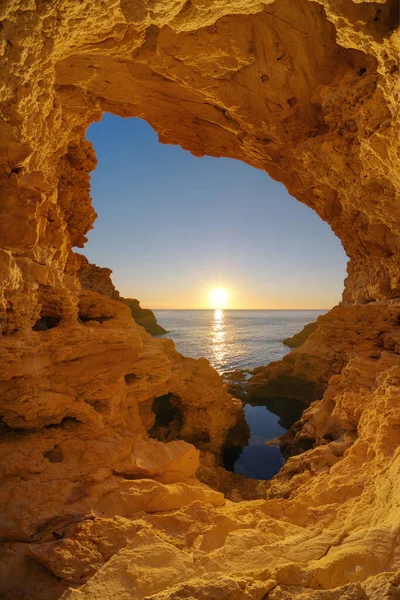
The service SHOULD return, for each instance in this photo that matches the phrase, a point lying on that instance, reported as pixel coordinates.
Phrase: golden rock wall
(307, 91)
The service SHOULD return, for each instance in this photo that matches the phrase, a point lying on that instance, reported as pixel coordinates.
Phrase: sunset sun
(218, 298)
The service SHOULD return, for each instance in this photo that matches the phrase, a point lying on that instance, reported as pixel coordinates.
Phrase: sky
(173, 227)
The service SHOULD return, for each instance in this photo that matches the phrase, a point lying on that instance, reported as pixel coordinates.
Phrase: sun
(218, 298)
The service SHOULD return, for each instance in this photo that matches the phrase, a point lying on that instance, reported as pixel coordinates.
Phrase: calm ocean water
(234, 339)
(244, 339)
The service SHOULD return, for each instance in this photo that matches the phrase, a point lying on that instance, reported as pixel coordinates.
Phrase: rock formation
(299, 338)
(144, 317)
(98, 279)
(306, 90)
(345, 332)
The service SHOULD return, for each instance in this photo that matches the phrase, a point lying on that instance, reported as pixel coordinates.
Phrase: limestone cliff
(305, 90)
(98, 279)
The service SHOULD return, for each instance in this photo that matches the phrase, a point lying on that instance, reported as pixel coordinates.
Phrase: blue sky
(172, 226)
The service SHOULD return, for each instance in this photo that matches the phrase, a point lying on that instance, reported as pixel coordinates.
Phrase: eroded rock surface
(307, 91)
(98, 279)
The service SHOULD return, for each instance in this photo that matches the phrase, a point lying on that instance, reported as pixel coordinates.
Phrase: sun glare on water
(218, 298)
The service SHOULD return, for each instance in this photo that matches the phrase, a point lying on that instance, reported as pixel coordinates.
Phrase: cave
(306, 91)
(169, 419)
(46, 322)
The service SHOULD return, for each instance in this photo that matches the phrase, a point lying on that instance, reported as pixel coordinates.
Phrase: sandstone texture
(98, 279)
(104, 428)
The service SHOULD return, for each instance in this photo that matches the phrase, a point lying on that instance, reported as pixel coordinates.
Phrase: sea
(234, 339)
(244, 339)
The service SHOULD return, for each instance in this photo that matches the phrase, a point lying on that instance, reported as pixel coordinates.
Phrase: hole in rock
(169, 418)
(16, 170)
(55, 455)
(46, 322)
(200, 224)
(99, 407)
(130, 378)
(266, 419)
(203, 222)
(377, 17)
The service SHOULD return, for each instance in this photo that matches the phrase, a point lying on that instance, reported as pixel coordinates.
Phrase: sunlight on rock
(93, 507)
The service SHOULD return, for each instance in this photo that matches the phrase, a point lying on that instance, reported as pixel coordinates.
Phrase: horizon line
(248, 309)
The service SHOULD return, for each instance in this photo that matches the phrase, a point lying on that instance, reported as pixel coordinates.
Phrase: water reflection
(268, 418)
(257, 460)
(218, 314)
(218, 338)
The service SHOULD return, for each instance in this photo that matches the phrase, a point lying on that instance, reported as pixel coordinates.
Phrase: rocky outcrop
(306, 91)
(299, 338)
(98, 279)
(236, 382)
(79, 401)
(144, 317)
(345, 332)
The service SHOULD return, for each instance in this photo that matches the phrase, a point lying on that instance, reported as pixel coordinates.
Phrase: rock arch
(308, 92)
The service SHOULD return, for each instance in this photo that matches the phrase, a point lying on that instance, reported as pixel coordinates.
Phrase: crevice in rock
(128, 476)
(169, 418)
(65, 423)
(86, 319)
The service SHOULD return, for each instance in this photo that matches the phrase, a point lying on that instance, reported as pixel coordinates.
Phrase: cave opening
(169, 419)
(301, 89)
(46, 322)
(218, 222)
(201, 222)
